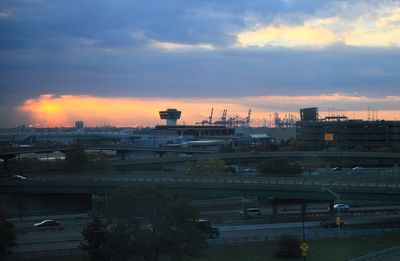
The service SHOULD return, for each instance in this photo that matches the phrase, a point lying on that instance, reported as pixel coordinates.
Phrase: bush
(208, 166)
(288, 246)
(76, 158)
(279, 166)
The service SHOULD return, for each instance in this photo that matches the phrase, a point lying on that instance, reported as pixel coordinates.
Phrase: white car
(341, 207)
(251, 212)
(47, 223)
(357, 168)
(184, 155)
(17, 177)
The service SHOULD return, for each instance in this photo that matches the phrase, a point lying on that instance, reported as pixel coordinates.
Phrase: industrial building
(341, 133)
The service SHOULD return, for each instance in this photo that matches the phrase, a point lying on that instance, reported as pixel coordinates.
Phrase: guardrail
(231, 180)
(381, 253)
(316, 235)
(50, 253)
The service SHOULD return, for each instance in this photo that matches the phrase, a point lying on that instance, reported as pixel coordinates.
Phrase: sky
(120, 62)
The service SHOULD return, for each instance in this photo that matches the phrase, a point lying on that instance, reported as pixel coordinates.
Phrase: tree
(76, 158)
(94, 234)
(279, 166)
(7, 236)
(147, 222)
(99, 161)
(288, 246)
(208, 166)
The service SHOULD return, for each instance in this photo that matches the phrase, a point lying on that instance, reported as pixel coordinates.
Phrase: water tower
(171, 115)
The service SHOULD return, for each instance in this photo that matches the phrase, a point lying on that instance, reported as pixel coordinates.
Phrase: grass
(327, 250)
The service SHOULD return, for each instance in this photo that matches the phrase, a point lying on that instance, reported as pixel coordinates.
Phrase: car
(48, 223)
(17, 177)
(358, 168)
(336, 169)
(341, 207)
(184, 155)
(251, 212)
(330, 223)
(205, 227)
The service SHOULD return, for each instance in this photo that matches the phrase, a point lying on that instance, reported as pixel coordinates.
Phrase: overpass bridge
(234, 158)
(12, 152)
(394, 156)
(267, 187)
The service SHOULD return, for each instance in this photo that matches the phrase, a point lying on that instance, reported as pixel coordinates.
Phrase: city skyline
(119, 63)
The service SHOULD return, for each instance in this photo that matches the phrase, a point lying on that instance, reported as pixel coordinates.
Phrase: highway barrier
(326, 234)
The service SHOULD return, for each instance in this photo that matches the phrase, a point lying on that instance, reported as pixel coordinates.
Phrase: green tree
(76, 158)
(7, 236)
(148, 222)
(288, 246)
(94, 234)
(279, 166)
(208, 166)
(99, 161)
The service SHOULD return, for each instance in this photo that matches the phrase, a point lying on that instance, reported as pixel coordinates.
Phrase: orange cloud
(64, 110)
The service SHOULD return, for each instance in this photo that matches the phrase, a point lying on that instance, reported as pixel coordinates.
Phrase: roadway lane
(69, 237)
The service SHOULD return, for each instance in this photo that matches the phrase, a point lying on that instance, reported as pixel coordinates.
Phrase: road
(33, 239)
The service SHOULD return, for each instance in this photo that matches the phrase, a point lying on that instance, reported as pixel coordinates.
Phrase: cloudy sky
(119, 62)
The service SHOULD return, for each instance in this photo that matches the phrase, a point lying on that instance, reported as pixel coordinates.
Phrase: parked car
(252, 212)
(357, 168)
(330, 223)
(17, 177)
(48, 223)
(341, 207)
(336, 169)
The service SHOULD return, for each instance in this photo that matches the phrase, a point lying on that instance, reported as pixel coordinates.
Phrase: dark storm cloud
(58, 24)
(104, 48)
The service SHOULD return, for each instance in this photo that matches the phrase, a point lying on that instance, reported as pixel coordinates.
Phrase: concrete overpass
(274, 187)
(12, 152)
(234, 158)
(7, 152)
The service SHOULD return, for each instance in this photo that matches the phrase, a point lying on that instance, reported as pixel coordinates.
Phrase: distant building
(309, 114)
(341, 133)
(79, 125)
(171, 116)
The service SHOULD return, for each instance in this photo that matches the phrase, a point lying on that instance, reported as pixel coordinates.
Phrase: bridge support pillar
(303, 208)
(274, 208)
(5, 164)
(331, 209)
(121, 155)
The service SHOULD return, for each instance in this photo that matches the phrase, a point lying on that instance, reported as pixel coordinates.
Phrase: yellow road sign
(328, 137)
(304, 247)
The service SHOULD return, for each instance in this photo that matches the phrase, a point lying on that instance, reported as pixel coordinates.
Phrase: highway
(9, 152)
(48, 239)
(285, 187)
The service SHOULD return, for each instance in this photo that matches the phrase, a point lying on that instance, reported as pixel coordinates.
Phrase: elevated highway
(10, 152)
(234, 158)
(275, 187)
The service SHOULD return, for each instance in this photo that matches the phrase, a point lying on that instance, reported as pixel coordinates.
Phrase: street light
(337, 196)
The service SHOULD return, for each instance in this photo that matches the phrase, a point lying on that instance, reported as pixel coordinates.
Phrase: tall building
(341, 133)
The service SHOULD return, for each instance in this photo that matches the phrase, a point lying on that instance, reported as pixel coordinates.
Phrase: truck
(205, 227)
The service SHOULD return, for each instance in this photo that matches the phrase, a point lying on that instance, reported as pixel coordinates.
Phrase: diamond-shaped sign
(304, 247)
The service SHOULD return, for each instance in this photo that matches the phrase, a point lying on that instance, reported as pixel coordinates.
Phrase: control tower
(171, 115)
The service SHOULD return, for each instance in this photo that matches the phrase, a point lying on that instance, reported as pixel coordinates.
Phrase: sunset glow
(64, 110)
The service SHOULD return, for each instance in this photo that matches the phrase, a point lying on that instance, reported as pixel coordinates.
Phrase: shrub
(288, 246)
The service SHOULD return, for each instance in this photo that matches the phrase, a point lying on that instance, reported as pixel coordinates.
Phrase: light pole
(337, 196)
